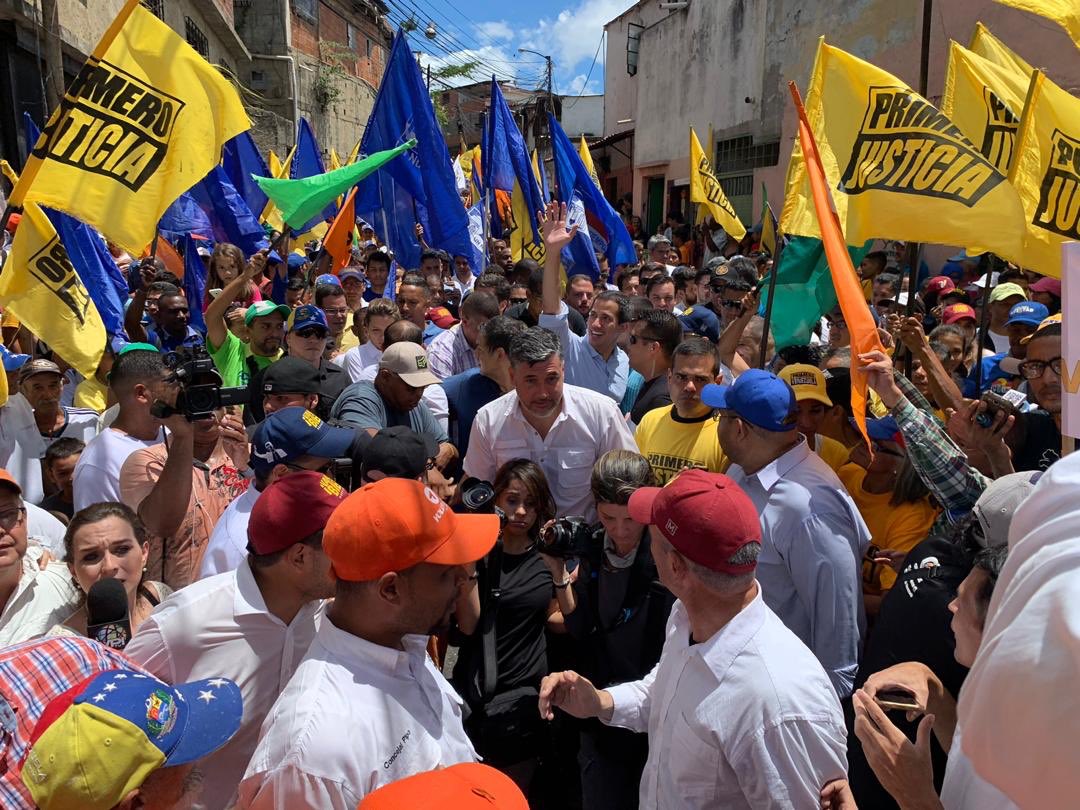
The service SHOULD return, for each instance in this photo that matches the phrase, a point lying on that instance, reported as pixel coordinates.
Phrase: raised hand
(553, 227)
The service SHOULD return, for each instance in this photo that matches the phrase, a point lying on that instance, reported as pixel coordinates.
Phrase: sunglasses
(635, 339)
(737, 304)
(311, 332)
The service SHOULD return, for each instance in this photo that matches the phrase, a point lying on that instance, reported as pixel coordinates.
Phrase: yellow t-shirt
(831, 451)
(672, 444)
(348, 338)
(898, 527)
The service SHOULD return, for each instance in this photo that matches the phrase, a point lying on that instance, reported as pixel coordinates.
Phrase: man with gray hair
(659, 248)
(738, 711)
(560, 427)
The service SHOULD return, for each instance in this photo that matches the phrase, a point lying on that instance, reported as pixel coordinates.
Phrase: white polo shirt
(588, 426)
(356, 359)
(354, 717)
(746, 719)
(41, 599)
(227, 547)
(220, 627)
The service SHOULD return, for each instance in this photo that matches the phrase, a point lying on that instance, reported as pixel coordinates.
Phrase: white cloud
(495, 30)
(572, 36)
(578, 84)
(492, 60)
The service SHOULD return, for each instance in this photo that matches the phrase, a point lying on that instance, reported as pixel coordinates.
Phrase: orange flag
(167, 253)
(338, 241)
(860, 323)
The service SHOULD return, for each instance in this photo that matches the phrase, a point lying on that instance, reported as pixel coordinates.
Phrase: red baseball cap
(396, 523)
(466, 786)
(706, 517)
(441, 317)
(938, 285)
(1047, 285)
(957, 312)
(291, 509)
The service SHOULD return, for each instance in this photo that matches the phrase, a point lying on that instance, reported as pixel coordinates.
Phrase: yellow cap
(807, 381)
(1055, 318)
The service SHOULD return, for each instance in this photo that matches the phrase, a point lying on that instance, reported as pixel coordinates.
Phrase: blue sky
(491, 31)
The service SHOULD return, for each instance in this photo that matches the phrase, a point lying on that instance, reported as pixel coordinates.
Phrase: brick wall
(333, 27)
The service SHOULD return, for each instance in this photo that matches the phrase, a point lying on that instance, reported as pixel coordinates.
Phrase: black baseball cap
(291, 375)
(398, 452)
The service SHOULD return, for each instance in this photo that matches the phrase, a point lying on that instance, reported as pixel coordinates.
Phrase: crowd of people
(369, 528)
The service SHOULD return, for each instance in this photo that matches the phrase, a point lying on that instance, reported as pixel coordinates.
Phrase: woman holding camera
(617, 611)
(501, 618)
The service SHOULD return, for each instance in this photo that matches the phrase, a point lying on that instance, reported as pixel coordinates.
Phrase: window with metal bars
(742, 154)
(196, 38)
(308, 9)
(156, 7)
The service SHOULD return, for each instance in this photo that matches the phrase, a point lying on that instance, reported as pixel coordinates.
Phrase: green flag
(300, 200)
(804, 290)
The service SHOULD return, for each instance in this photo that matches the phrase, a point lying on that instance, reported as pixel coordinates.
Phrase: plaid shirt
(31, 675)
(449, 353)
(941, 465)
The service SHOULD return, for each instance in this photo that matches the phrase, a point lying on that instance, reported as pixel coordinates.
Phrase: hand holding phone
(897, 698)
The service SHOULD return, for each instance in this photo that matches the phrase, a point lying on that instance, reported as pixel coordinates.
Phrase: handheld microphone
(107, 620)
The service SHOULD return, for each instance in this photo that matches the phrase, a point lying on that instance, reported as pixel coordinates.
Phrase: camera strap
(490, 673)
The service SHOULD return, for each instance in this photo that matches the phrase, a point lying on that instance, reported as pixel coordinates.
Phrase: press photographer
(615, 608)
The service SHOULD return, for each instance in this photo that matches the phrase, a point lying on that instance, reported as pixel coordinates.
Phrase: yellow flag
(797, 217)
(355, 153)
(985, 101)
(539, 177)
(990, 47)
(143, 121)
(270, 213)
(1046, 173)
(41, 288)
(523, 243)
(703, 210)
(9, 173)
(1065, 13)
(768, 229)
(335, 161)
(705, 188)
(899, 169)
(586, 158)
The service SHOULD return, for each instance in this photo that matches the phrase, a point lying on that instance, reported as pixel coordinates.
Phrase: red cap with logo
(957, 312)
(705, 516)
(939, 284)
(292, 508)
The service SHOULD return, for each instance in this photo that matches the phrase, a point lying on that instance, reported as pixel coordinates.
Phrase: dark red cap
(292, 508)
(939, 284)
(705, 516)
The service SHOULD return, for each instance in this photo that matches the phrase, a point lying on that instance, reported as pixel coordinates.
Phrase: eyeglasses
(311, 332)
(1033, 369)
(338, 311)
(10, 518)
(635, 339)
(736, 304)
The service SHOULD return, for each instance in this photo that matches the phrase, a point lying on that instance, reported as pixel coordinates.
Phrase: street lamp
(546, 58)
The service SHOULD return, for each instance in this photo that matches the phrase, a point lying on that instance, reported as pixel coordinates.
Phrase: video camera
(201, 392)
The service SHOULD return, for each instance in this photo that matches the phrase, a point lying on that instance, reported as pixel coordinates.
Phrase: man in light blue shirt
(813, 538)
(594, 361)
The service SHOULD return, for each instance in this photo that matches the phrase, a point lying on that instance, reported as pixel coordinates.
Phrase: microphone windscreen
(106, 601)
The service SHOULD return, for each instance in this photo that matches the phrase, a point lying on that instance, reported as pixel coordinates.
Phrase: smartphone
(897, 698)
(1000, 398)
(214, 293)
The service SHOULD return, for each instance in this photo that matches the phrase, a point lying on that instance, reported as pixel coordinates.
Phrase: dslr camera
(567, 537)
(477, 497)
(201, 392)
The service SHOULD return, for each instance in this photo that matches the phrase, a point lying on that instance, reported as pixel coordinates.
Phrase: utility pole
(54, 57)
(551, 98)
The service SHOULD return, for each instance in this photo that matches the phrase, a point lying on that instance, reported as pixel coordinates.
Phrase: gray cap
(998, 503)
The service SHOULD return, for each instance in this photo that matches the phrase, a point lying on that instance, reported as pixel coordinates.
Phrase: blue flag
(391, 281)
(476, 235)
(307, 162)
(32, 131)
(419, 187)
(605, 226)
(508, 161)
(213, 209)
(96, 267)
(185, 216)
(579, 257)
(543, 179)
(241, 159)
(194, 283)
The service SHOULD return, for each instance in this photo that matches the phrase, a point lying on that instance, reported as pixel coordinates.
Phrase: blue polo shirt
(167, 343)
(584, 365)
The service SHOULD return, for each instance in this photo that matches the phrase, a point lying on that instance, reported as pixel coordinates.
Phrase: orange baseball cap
(468, 786)
(6, 478)
(396, 523)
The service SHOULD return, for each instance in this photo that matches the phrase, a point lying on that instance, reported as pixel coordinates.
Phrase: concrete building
(726, 64)
(465, 106)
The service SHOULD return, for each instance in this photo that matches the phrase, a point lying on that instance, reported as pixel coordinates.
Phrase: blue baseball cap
(884, 429)
(351, 272)
(328, 278)
(1031, 313)
(13, 362)
(758, 397)
(701, 321)
(305, 316)
(290, 433)
(296, 261)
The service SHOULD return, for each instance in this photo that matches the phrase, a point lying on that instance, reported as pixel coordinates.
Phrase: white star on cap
(207, 696)
(100, 696)
(120, 676)
(110, 687)
(218, 682)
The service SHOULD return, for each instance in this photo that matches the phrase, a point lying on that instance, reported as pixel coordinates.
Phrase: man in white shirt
(367, 706)
(563, 428)
(32, 599)
(140, 379)
(739, 712)
(372, 321)
(33, 418)
(253, 625)
(287, 441)
(813, 538)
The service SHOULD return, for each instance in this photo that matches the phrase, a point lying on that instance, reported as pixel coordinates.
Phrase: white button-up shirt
(227, 547)
(357, 359)
(354, 717)
(747, 719)
(220, 627)
(588, 425)
(812, 544)
(41, 599)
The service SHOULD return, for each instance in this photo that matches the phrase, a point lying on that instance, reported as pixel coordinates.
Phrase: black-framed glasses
(1033, 369)
(10, 518)
(635, 339)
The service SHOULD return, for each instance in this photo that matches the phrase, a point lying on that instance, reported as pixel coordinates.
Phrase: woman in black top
(504, 724)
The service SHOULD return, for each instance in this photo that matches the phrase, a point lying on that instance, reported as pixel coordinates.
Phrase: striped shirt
(31, 675)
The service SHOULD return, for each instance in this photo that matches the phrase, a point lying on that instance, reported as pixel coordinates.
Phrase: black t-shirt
(654, 394)
(333, 381)
(912, 625)
(520, 312)
(1039, 443)
(55, 503)
(520, 645)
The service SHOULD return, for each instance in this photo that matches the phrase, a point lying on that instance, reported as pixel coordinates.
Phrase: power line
(589, 74)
